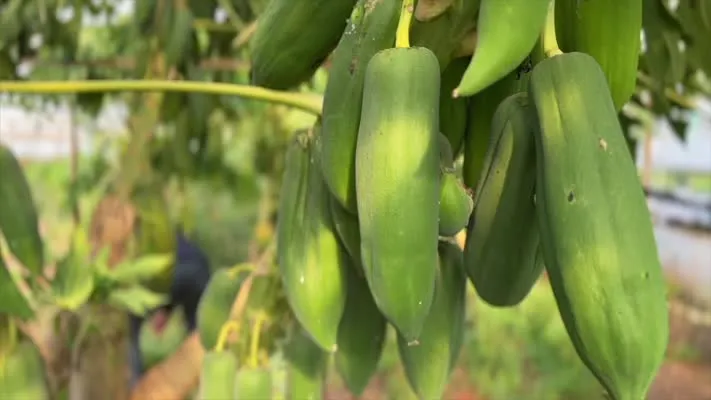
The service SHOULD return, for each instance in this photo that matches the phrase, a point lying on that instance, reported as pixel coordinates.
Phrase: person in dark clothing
(190, 277)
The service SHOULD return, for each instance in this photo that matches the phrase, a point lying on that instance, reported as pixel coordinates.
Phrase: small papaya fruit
(216, 304)
(218, 375)
(307, 363)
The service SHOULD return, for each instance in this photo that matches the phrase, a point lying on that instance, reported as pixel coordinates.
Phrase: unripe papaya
(502, 240)
(372, 28)
(596, 231)
(216, 304)
(346, 225)
(507, 32)
(428, 364)
(455, 205)
(293, 38)
(252, 384)
(19, 222)
(453, 112)
(482, 107)
(307, 364)
(398, 183)
(616, 47)
(361, 336)
(311, 259)
(12, 301)
(218, 376)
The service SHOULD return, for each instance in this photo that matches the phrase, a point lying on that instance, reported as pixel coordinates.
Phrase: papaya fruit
(455, 205)
(307, 364)
(215, 304)
(453, 112)
(428, 364)
(443, 35)
(361, 336)
(19, 222)
(482, 107)
(346, 225)
(310, 257)
(12, 301)
(596, 231)
(503, 239)
(218, 376)
(616, 47)
(22, 373)
(372, 28)
(293, 38)
(506, 33)
(398, 183)
(252, 384)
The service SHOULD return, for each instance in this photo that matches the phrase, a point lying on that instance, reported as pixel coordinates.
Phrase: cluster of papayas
(450, 116)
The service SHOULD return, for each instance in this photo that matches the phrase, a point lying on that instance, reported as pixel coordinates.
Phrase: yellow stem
(254, 342)
(402, 35)
(310, 103)
(226, 329)
(242, 267)
(550, 42)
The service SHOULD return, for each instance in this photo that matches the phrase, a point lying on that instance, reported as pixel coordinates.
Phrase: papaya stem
(254, 340)
(241, 267)
(548, 36)
(402, 35)
(310, 103)
(225, 330)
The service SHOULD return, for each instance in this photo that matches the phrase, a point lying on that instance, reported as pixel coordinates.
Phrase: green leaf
(140, 269)
(137, 299)
(74, 282)
(12, 301)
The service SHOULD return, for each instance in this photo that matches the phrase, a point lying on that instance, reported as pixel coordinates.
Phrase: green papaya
(616, 47)
(19, 222)
(503, 239)
(216, 304)
(443, 35)
(398, 183)
(361, 336)
(307, 364)
(596, 231)
(453, 112)
(253, 384)
(346, 225)
(12, 301)
(310, 257)
(455, 205)
(372, 28)
(428, 364)
(218, 376)
(507, 32)
(293, 38)
(482, 107)
(22, 373)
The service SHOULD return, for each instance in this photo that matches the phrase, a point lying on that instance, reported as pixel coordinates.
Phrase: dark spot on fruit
(646, 275)
(571, 197)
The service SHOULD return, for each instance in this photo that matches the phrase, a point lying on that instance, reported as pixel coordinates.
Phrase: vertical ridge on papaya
(310, 256)
(506, 33)
(616, 47)
(372, 28)
(596, 231)
(398, 183)
(293, 38)
(502, 241)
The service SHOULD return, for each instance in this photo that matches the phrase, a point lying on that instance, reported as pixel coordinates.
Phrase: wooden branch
(129, 63)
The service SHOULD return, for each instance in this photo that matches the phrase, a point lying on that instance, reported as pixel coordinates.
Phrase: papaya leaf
(136, 299)
(140, 269)
(12, 301)
(74, 282)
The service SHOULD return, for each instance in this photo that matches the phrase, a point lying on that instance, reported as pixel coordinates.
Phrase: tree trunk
(100, 357)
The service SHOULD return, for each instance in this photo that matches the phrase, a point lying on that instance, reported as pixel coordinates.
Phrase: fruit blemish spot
(571, 197)
(603, 144)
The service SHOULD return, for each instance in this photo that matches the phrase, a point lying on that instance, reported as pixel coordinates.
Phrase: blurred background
(69, 143)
